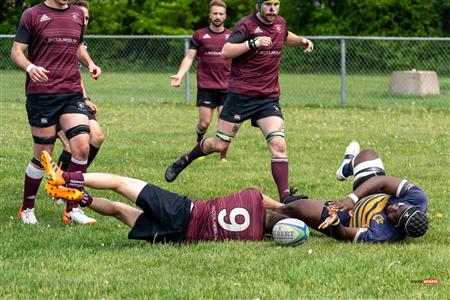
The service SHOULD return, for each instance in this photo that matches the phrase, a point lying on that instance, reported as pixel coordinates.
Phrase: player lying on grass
(380, 209)
(164, 216)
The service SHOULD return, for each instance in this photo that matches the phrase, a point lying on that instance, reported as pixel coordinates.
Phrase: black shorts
(211, 97)
(90, 115)
(239, 108)
(165, 217)
(44, 110)
(344, 217)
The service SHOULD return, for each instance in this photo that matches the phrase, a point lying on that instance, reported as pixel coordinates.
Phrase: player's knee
(203, 124)
(39, 140)
(276, 142)
(365, 155)
(97, 137)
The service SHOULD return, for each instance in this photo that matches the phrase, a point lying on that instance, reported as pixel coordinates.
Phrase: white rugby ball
(290, 232)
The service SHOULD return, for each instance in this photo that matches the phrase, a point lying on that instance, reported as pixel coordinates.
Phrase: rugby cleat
(54, 173)
(346, 169)
(77, 216)
(27, 216)
(292, 197)
(63, 192)
(175, 169)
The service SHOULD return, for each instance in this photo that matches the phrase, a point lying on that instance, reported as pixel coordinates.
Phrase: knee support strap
(273, 134)
(44, 140)
(76, 130)
(224, 137)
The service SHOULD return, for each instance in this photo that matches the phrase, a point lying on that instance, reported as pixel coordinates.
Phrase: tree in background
(309, 17)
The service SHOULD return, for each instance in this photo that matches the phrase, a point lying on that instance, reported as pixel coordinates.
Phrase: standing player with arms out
(255, 46)
(212, 70)
(167, 217)
(96, 135)
(53, 34)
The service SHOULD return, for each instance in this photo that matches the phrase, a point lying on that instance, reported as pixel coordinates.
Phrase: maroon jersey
(239, 216)
(53, 37)
(255, 73)
(212, 69)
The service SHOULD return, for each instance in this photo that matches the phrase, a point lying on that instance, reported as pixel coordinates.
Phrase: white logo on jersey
(44, 18)
(227, 36)
(206, 36)
(278, 28)
(258, 30)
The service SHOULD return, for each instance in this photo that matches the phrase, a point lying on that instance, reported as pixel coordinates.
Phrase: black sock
(64, 160)
(92, 154)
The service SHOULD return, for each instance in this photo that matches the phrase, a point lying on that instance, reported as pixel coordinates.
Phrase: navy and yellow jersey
(369, 214)
(410, 194)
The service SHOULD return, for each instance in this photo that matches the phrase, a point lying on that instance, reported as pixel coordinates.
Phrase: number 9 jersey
(239, 216)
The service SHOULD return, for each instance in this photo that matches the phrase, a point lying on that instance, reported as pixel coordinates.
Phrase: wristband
(336, 223)
(251, 44)
(353, 197)
(30, 67)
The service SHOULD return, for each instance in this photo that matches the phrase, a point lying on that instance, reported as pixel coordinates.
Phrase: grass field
(52, 260)
(297, 90)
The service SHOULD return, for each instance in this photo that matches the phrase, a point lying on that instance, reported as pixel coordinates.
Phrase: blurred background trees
(307, 17)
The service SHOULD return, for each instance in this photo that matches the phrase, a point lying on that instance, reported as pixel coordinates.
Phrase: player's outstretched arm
(186, 63)
(337, 231)
(294, 40)
(269, 203)
(386, 184)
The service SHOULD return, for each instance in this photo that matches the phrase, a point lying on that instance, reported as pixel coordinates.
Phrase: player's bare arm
(231, 50)
(84, 57)
(37, 74)
(269, 203)
(336, 229)
(294, 40)
(175, 80)
(386, 184)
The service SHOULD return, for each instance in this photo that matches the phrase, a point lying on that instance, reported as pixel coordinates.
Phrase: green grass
(52, 260)
(366, 91)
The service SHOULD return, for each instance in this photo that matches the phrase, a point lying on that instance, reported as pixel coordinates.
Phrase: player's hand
(345, 204)
(39, 74)
(309, 46)
(263, 42)
(175, 80)
(333, 217)
(91, 106)
(95, 71)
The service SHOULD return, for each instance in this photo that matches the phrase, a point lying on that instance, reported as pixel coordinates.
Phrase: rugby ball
(290, 232)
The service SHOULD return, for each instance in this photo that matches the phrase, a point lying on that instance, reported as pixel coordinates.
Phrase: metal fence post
(343, 75)
(187, 88)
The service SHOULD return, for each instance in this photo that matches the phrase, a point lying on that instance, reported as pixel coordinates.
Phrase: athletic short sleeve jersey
(370, 214)
(239, 216)
(255, 73)
(53, 37)
(212, 69)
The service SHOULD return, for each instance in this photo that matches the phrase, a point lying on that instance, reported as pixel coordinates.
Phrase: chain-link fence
(341, 71)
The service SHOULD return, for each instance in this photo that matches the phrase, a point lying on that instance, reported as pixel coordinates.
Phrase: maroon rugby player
(212, 69)
(255, 47)
(52, 32)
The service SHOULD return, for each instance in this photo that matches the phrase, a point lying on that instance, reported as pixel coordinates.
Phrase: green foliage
(311, 17)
